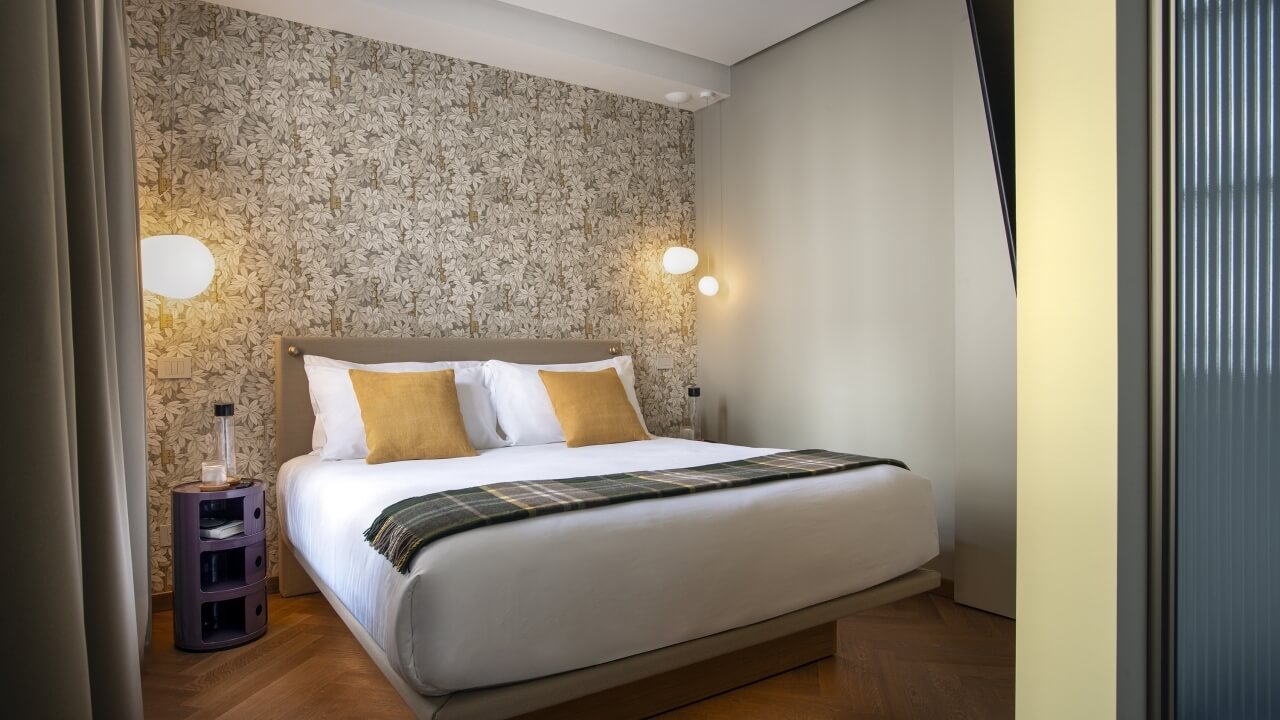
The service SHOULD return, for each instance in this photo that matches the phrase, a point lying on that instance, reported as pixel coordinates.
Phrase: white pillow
(318, 437)
(339, 429)
(523, 406)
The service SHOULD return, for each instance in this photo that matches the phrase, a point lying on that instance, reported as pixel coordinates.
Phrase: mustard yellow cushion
(592, 407)
(410, 416)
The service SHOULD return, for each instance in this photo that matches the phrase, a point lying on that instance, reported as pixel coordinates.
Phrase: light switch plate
(664, 362)
(166, 535)
(173, 368)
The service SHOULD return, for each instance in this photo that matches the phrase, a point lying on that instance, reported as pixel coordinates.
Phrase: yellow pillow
(410, 416)
(592, 407)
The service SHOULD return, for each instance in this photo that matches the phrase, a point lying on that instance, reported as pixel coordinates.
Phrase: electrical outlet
(664, 362)
(173, 368)
(166, 535)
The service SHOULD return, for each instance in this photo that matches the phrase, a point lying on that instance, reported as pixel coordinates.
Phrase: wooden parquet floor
(923, 657)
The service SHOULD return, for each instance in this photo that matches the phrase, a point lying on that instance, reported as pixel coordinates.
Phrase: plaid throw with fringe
(413, 523)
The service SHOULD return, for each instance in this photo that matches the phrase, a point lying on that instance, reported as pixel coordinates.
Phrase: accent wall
(353, 187)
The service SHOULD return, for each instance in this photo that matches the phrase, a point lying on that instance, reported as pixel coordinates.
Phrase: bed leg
(293, 579)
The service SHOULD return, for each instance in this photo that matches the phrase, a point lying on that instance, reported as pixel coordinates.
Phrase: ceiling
(723, 31)
(639, 48)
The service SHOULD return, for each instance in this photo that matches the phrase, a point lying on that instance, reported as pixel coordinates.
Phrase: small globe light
(679, 260)
(176, 266)
(708, 285)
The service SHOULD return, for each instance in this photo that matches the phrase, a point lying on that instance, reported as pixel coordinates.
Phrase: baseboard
(163, 601)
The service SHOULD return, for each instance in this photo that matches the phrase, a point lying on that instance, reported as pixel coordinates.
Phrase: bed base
(642, 685)
(649, 696)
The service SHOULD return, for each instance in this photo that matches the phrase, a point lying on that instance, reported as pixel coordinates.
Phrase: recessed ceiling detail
(640, 49)
(722, 31)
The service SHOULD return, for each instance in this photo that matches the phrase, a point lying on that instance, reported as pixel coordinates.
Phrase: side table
(220, 586)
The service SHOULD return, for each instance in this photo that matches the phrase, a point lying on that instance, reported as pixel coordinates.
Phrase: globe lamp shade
(176, 266)
(679, 260)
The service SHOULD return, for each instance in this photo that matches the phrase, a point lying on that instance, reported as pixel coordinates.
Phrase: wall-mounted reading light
(708, 285)
(176, 266)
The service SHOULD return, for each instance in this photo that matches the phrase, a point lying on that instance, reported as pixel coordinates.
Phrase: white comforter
(540, 596)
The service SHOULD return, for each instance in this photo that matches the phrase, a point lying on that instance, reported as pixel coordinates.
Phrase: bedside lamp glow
(708, 285)
(176, 266)
(679, 260)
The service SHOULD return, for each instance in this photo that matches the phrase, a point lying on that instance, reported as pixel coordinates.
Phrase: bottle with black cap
(691, 428)
(224, 415)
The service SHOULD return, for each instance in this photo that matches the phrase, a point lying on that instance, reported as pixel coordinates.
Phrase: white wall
(836, 325)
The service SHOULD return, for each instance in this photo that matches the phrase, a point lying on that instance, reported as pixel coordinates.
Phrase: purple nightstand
(220, 586)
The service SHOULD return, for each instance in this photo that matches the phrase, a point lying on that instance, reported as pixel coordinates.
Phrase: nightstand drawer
(231, 564)
(246, 508)
(255, 514)
(228, 621)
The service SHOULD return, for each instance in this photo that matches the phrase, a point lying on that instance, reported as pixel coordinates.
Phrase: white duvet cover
(540, 596)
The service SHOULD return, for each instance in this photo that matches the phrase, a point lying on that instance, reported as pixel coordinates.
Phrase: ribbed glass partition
(1227, 340)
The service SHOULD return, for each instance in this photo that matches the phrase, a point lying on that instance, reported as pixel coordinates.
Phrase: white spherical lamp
(679, 260)
(708, 285)
(176, 266)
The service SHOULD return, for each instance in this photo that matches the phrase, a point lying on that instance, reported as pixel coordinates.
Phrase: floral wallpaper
(352, 187)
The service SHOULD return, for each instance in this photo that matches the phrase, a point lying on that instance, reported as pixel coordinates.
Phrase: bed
(621, 611)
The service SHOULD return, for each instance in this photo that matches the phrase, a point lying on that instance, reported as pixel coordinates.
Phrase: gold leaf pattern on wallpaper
(349, 187)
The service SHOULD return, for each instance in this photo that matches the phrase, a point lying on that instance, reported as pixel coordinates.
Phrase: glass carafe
(224, 430)
(691, 428)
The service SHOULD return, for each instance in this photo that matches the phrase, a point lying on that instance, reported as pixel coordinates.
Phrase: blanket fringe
(395, 542)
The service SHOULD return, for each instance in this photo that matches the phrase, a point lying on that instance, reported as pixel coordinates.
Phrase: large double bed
(622, 610)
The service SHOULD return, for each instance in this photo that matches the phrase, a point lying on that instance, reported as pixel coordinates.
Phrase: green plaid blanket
(413, 523)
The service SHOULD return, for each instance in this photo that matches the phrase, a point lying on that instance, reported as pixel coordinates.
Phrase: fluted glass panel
(1227, 493)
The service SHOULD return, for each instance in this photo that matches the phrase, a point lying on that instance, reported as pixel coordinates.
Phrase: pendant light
(174, 266)
(708, 284)
(679, 259)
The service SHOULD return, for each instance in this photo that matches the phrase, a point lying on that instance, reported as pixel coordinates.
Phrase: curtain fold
(74, 520)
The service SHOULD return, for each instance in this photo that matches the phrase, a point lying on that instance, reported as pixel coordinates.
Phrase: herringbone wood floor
(923, 657)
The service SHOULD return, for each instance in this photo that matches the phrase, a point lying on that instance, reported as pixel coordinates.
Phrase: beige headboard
(294, 419)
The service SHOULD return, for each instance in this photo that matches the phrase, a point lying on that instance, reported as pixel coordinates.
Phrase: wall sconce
(708, 285)
(679, 260)
(176, 266)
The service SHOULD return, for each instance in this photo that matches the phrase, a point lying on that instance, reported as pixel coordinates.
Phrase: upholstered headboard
(294, 418)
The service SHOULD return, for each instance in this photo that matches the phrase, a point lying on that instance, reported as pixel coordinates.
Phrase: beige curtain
(73, 526)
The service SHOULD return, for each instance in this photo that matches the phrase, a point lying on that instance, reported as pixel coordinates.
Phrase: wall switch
(664, 362)
(173, 368)
(166, 535)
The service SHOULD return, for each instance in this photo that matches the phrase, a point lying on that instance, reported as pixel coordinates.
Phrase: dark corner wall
(991, 22)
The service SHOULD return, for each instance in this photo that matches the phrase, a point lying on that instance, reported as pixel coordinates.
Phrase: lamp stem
(720, 171)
